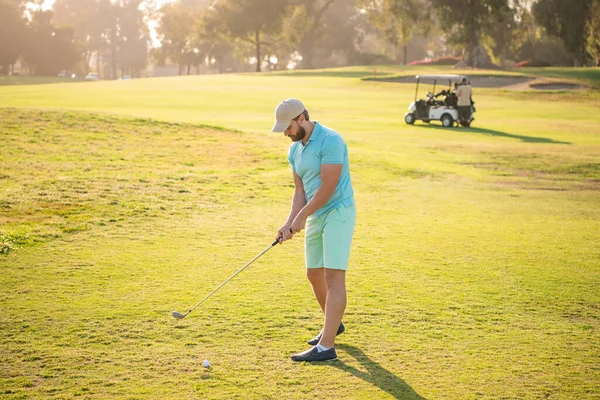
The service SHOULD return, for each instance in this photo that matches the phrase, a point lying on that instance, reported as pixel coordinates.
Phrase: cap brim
(280, 126)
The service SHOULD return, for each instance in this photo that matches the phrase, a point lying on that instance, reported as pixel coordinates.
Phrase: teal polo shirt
(325, 146)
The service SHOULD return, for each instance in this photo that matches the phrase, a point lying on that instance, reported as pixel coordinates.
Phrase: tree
(398, 20)
(308, 18)
(593, 32)
(90, 23)
(343, 31)
(133, 38)
(195, 5)
(212, 39)
(12, 31)
(248, 20)
(276, 48)
(322, 33)
(567, 20)
(505, 34)
(49, 49)
(177, 34)
(79, 15)
(467, 21)
(115, 30)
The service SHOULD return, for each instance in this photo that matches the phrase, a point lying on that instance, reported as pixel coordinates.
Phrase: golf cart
(433, 108)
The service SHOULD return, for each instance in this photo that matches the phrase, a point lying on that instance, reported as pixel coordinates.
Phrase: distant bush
(448, 60)
(508, 64)
(369, 59)
(545, 51)
(532, 63)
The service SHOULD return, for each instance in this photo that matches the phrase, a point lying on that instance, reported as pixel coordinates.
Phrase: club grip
(277, 240)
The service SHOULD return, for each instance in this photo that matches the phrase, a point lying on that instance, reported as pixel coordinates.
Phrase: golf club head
(177, 315)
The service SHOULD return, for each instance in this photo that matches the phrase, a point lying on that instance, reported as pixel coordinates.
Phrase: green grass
(475, 264)
(33, 80)
(589, 77)
(245, 102)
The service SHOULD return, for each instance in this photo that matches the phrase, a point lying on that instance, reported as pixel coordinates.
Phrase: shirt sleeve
(333, 150)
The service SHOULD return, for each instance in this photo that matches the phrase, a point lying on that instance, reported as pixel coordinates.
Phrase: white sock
(322, 348)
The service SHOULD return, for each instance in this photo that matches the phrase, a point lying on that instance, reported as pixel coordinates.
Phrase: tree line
(115, 36)
(66, 36)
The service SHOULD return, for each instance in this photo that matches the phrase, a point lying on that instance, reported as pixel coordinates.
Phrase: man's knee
(335, 278)
(315, 275)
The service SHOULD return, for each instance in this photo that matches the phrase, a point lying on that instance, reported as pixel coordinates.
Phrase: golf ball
(206, 364)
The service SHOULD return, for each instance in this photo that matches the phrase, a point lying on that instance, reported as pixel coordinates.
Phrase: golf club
(178, 315)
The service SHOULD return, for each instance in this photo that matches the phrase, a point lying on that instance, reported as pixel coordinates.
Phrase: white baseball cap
(285, 112)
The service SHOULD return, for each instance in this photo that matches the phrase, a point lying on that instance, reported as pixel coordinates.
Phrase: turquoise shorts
(328, 238)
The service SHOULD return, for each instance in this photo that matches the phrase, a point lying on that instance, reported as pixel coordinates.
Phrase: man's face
(295, 131)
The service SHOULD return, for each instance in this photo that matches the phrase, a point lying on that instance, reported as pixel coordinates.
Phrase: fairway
(475, 265)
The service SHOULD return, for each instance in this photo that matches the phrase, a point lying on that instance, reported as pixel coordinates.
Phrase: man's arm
(330, 175)
(299, 199)
(298, 202)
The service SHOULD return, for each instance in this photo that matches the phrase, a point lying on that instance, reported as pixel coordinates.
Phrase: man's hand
(285, 233)
(299, 223)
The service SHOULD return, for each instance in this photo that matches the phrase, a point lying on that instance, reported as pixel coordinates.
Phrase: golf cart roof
(442, 76)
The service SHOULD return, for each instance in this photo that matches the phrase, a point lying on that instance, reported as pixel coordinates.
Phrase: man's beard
(300, 135)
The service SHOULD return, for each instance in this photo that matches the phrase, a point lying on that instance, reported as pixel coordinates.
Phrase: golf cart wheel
(409, 118)
(447, 120)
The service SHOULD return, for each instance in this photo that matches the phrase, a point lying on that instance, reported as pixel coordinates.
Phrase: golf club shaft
(232, 276)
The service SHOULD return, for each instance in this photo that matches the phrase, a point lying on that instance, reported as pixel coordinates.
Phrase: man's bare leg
(316, 277)
(335, 305)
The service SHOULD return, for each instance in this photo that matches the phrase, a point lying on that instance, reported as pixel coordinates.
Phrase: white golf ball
(206, 364)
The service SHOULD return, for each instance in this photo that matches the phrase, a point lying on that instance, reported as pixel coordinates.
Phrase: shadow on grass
(491, 132)
(376, 374)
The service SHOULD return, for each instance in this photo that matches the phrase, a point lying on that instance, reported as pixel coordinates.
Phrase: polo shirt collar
(315, 133)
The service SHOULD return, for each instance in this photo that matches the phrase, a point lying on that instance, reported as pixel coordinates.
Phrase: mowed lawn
(475, 267)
